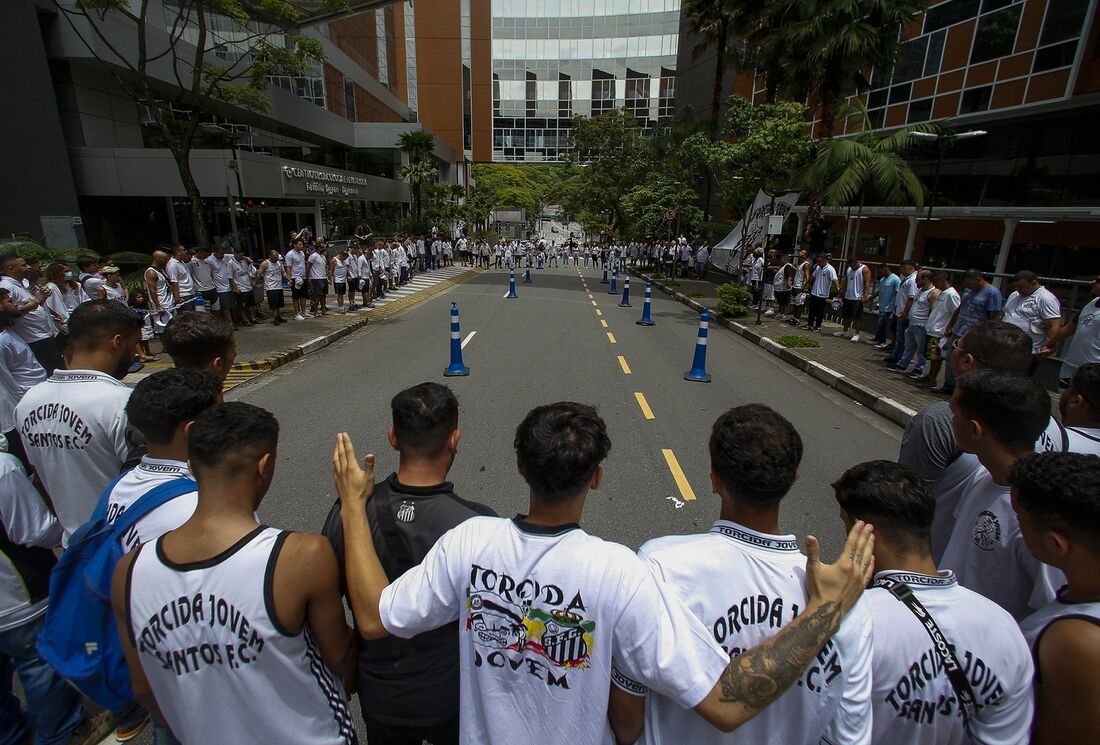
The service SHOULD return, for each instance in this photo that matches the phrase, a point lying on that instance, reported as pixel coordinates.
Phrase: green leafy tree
(766, 149)
(418, 144)
(825, 50)
(866, 166)
(206, 72)
(514, 185)
(646, 204)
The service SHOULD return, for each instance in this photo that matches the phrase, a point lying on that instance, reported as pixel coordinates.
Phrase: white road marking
(466, 341)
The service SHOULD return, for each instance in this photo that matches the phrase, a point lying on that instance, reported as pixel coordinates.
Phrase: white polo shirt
(34, 325)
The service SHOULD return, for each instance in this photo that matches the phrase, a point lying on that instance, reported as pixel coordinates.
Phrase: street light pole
(942, 141)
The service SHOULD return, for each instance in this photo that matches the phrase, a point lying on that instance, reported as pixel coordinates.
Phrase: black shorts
(783, 298)
(299, 293)
(275, 299)
(209, 296)
(341, 288)
(246, 299)
(850, 309)
(318, 288)
(225, 300)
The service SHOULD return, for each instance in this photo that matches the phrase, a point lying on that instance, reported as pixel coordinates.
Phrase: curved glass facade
(553, 59)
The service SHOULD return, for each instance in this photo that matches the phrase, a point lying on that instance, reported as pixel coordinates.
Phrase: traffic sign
(670, 215)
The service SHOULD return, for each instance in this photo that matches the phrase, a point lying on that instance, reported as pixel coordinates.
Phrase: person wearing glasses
(981, 302)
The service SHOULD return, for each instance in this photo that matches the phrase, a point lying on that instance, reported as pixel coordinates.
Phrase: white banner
(727, 254)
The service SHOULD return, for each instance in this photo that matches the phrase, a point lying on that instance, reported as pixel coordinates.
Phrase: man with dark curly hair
(1057, 498)
(744, 580)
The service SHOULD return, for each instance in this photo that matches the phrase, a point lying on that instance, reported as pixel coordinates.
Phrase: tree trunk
(719, 79)
(182, 156)
(815, 219)
(859, 221)
(416, 200)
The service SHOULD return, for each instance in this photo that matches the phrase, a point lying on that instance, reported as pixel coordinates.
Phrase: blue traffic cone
(604, 280)
(527, 276)
(646, 319)
(456, 367)
(626, 294)
(698, 371)
(511, 285)
(614, 289)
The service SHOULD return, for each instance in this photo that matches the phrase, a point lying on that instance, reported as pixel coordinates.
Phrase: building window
(920, 111)
(976, 99)
(949, 14)
(935, 53)
(1063, 20)
(901, 93)
(349, 100)
(996, 34)
(1053, 57)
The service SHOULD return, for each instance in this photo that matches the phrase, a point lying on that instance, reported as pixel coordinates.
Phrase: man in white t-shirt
(220, 274)
(744, 582)
(299, 286)
(1058, 501)
(998, 417)
(822, 282)
(916, 333)
(34, 325)
(912, 699)
(73, 425)
(202, 278)
(1085, 345)
(161, 408)
(179, 275)
(544, 608)
(1035, 310)
(946, 301)
(1079, 406)
(19, 372)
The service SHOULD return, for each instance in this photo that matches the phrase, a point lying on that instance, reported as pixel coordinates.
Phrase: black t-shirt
(409, 682)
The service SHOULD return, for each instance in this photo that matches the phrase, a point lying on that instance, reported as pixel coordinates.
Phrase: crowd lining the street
(474, 628)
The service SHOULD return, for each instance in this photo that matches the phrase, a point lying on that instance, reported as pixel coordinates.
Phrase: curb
(279, 359)
(882, 405)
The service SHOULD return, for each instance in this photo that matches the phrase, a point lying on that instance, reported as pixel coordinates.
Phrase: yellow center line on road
(678, 475)
(623, 365)
(646, 411)
(599, 312)
(603, 323)
(610, 337)
(593, 303)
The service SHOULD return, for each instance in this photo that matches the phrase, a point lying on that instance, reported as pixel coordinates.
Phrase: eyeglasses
(956, 344)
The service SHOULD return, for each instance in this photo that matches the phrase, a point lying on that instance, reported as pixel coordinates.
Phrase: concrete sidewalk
(856, 370)
(264, 346)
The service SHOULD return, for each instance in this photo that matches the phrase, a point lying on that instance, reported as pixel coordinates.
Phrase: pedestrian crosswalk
(421, 282)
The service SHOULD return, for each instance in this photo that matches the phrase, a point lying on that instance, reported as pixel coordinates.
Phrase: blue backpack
(80, 638)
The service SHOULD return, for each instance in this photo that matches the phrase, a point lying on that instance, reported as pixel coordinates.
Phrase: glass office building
(556, 58)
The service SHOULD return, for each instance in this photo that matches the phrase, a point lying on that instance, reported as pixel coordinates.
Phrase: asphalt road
(550, 345)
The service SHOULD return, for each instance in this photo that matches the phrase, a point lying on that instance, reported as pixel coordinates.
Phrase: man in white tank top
(857, 291)
(159, 289)
(338, 275)
(235, 632)
(745, 581)
(274, 273)
(913, 700)
(1057, 496)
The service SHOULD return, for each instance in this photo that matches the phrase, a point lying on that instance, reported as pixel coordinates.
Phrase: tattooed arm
(759, 676)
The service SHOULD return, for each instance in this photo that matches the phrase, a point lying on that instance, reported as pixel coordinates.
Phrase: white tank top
(1035, 625)
(854, 289)
(340, 271)
(220, 665)
(273, 275)
(164, 294)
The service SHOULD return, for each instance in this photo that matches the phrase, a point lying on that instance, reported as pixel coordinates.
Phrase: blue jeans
(885, 321)
(899, 343)
(915, 338)
(53, 706)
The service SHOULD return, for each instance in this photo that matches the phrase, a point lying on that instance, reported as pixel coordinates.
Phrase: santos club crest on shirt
(527, 616)
(987, 531)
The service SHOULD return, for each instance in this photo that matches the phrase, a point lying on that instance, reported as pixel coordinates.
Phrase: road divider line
(603, 323)
(678, 475)
(593, 303)
(466, 341)
(623, 365)
(610, 337)
(646, 411)
(599, 312)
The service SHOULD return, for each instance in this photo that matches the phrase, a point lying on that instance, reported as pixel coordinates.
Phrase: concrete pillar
(911, 237)
(318, 220)
(1006, 246)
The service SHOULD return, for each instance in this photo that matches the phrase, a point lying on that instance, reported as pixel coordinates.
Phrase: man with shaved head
(160, 287)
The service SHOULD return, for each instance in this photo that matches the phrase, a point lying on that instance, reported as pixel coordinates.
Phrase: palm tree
(418, 144)
(825, 50)
(867, 165)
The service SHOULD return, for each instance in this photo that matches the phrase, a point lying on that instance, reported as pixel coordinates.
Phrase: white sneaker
(299, 317)
(855, 338)
(769, 312)
(840, 334)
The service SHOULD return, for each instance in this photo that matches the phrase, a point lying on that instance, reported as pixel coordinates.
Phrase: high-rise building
(322, 155)
(552, 59)
(1014, 180)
